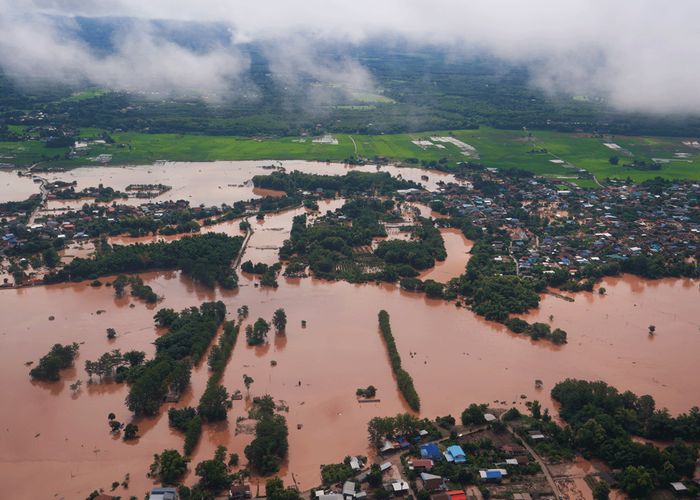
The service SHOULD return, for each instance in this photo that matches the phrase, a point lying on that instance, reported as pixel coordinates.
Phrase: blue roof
(456, 454)
(456, 450)
(493, 474)
(430, 450)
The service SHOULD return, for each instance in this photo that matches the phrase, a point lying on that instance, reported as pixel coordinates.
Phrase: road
(354, 144)
(44, 193)
(538, 459)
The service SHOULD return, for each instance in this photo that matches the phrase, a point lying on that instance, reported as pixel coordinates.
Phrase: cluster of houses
(585, 226)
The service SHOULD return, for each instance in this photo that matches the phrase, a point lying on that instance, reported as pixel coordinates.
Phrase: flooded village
(613, 270)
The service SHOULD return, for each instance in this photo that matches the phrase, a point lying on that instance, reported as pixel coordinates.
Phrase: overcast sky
(640, 54)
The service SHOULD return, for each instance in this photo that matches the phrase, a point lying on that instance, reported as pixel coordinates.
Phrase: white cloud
(640, 54)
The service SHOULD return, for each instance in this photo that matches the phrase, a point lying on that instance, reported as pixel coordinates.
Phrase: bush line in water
(403, 379)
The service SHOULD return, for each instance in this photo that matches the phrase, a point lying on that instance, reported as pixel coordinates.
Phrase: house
(355, 464)
(399, 487)
(679, 487)
(432, 482)
(422, 464)
(455, 454)
(450, 495)
(489, 417)
(430, 451)
(385, 466)
(492, 474)
(348, 490)
(387, 446)
(331, 496)
(239, 492)
(163, 494)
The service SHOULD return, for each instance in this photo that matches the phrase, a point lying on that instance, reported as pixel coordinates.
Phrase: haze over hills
(589, 66)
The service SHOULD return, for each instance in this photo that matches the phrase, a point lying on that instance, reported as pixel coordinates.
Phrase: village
(559, 232)
(545, 228)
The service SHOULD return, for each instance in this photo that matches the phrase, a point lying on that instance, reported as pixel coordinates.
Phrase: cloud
(638, 54)
(39, 46)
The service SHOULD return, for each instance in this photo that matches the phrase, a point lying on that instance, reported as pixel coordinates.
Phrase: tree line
(403, 379)
(206, 258)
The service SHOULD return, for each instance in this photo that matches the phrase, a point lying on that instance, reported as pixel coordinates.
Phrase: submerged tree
(168, 467)
(279, 319)
(247, 381)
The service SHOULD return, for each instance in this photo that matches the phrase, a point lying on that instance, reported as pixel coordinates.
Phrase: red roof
(457, 495)
(423, 463)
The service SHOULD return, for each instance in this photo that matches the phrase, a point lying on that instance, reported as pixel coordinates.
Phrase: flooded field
(454, 357)
(16, 188)
(457, 358)
(210, 183)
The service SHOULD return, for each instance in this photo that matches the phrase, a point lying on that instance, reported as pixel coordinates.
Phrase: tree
(247, 381)
(368, 392)
(374, 477)
(168, 467)
(58, 358)
(474, 415)
(51, 257)
(213, 474)
(614, 160)
(119, 284)
(257, 334)
(242, 312)
(652, 329)
(111, 333)
(134, 358)
(536, 409)
(275, 490)
(131, 431)
(214, 404)
(266, 452)
(279, 319)
(636, 481)
(165, 317)
(601, 490)
(115, 426)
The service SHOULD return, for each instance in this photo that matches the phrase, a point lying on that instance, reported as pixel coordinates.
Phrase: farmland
(553, 154)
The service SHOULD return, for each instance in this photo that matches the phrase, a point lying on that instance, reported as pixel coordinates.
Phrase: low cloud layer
(641, 55)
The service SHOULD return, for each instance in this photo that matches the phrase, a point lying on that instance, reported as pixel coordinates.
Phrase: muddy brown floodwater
(16, 188)
(455, 358)
(210, 183)
(458, 248)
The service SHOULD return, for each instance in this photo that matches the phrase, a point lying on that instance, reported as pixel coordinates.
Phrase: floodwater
(16, 188)
(457, 359)
(214, 183)
(458, 247)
